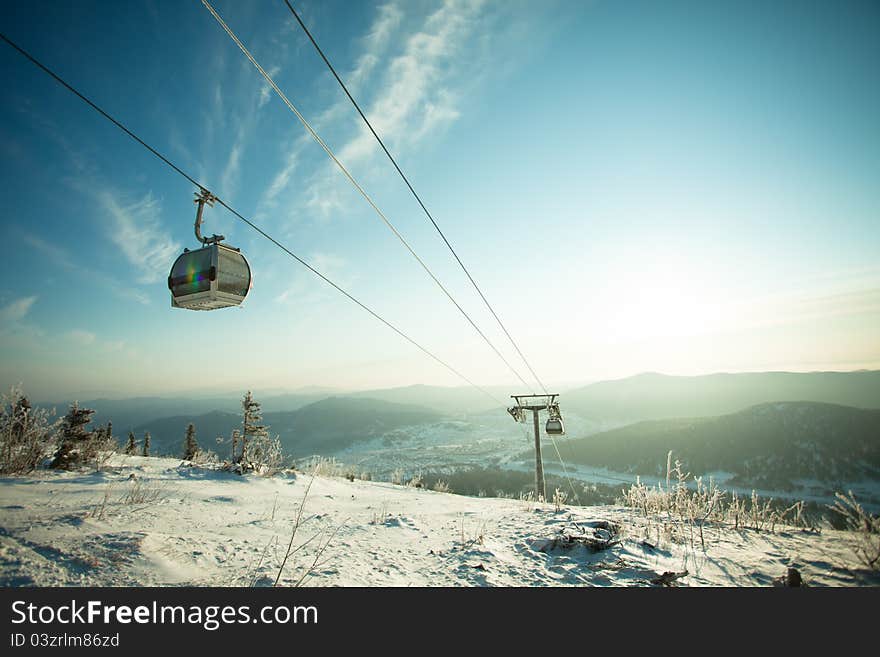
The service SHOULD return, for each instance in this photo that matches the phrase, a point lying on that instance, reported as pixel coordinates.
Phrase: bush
(204, 457)
(263, 456)
(866, 544)
(143, 491)
(27, 436)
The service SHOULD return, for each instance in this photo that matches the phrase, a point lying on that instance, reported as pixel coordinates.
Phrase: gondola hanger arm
(204, 197)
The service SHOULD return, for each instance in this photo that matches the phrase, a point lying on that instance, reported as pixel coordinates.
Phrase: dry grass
(680, 512)
(865, 527)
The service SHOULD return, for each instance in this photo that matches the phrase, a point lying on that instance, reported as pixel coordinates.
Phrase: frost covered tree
(251, 425)
(235, 437)
(131, 445)
(190, 446)
(146, 451)
(75, 438)
(27, 435)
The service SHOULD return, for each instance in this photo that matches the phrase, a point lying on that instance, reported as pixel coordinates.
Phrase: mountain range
(652, 396)
(767, 445)
(322, 427)
(781, 425)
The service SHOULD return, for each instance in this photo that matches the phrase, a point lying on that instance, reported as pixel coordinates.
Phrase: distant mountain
(333, 424)
(656, 396)
(766, 445)
(167, 434)
(127, 414)
(451, 401)
(319, 428)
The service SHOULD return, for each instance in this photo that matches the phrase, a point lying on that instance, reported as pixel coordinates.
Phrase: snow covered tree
(26, 434)
(251, 423)
(101, 447)
(235, 437)
(131, 445)
(190, 446)
(146, 451)
(75, 438)
(265, 456)
(20, 416)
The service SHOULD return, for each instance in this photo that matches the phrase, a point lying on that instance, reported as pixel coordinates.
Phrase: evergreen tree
(75, 438)
(251, 423)
(21, 416)
(235, 435)
(190, 446)
(108, 433)
(146, 451)
(26, 434)
(131, 446)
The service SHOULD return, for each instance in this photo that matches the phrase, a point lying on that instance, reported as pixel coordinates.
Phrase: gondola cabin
(554, 427)
(216, 276)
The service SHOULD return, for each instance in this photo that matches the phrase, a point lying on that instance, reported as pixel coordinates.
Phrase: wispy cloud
(229, 179)
(61, 258)
(374, 44)
(81, 337)
(414, 95)
(145, 245)
(265, 89)
(303, 291)
(135, 228)
(814, 308)
(16, 310)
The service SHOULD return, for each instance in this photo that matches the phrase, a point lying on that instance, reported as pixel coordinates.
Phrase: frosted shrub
(27, 436)
(204, 457)
(143, 491)
(559, 498)
(683, 508)
(441, 486)
(263, 456)
(866, 543)
(327, 467)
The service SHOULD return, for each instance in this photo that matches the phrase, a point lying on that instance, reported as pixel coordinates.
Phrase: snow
(211, 528)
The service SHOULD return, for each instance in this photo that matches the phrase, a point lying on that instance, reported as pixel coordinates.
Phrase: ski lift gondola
(554, 426)
(215, 276)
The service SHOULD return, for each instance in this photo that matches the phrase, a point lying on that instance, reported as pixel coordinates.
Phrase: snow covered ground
(150, 521)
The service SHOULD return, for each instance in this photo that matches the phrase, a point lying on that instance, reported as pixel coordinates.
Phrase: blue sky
(685, 187)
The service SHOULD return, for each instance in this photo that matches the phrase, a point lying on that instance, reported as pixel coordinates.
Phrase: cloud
(814, 309)
(113, 345)
(415, 97)
(373, 45)
(417, 93)
(265, 89)
(17, 310)
(229, 179)
(303, 291)
(387, 22)
(62, 258)
(80, 337)
(137, 232)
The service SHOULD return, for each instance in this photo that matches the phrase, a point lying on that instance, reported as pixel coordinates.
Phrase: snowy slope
(213, 528)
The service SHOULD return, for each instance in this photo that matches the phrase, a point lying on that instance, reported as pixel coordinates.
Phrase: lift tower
(536, 404)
